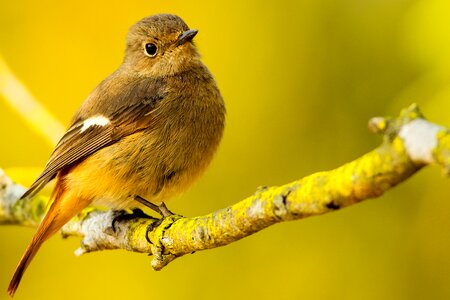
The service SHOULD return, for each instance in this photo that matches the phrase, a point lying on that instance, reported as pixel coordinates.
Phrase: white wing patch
(95, 121)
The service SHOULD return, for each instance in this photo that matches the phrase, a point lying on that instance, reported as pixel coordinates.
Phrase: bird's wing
(101, 127)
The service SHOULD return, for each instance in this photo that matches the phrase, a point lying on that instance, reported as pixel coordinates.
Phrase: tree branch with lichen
(409, 143)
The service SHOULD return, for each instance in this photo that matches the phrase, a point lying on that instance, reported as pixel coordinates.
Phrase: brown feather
(126, 118)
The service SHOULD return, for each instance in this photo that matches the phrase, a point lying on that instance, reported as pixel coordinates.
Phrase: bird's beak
(186, 36)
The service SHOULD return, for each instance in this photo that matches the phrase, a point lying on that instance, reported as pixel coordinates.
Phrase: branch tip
(378, 125)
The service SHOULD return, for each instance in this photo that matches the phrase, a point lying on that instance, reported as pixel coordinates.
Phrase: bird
(147, 131)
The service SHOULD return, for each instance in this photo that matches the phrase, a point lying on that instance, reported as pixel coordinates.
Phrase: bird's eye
(151, 49)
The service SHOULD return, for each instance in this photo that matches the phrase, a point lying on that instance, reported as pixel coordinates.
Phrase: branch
(410, 143)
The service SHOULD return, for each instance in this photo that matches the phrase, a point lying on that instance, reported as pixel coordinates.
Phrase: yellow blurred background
(300, 79)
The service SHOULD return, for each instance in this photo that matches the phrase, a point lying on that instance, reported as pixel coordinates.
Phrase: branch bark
(409, 143)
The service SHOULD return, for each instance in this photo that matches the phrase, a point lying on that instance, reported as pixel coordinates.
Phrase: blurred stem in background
(40, 120)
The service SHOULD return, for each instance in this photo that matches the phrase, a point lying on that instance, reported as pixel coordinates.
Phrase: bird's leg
(161, 209)
(123, 215)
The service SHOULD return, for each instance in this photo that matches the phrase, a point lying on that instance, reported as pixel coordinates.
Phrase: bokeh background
(300, 79)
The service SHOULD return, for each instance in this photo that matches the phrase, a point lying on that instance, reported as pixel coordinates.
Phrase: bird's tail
(55, 218)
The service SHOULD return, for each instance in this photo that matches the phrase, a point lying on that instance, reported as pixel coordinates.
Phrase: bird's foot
(161, 209)
(123, 215)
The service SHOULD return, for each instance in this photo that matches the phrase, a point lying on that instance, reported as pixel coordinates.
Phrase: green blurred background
(300, 79)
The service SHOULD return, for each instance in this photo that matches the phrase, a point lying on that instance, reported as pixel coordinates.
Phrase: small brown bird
(148, 130)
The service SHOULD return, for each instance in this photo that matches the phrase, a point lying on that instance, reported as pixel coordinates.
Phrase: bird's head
(160, 45)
